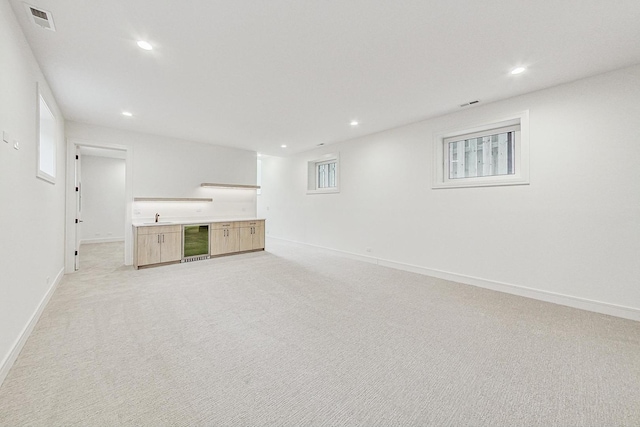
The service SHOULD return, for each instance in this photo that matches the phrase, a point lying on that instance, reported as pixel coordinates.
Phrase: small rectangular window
(327, 174)
(47, 133)
(323, 175)
(486, 155)
(490, 153)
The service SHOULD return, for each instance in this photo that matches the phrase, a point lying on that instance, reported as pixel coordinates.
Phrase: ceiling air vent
(466, 104)
(41, 18)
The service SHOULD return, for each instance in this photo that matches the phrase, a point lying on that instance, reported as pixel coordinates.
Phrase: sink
(157, 223)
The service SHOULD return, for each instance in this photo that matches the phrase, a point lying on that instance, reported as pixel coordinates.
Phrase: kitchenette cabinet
(157, 245)
(224, 238)
(251, 235)
(162, 244)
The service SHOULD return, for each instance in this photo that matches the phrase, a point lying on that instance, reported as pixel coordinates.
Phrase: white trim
(521, 177)
(621, 311)
(8, 362)
(102, 240)
(71, 202)
(324, 191)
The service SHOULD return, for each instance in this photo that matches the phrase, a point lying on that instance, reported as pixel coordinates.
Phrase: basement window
(486, 155)
(46, 124)
(323, 174)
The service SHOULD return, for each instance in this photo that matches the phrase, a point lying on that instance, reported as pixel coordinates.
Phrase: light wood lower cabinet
(163, 244)
(157, 245)
(224, 238)
(251, 235)
(239, 236)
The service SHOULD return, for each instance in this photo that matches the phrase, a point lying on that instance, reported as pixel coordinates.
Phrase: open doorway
(100, 199)
(98, 202)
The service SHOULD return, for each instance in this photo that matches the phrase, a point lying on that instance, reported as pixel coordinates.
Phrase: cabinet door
(246, 238)
(148, 249)
(258, 237)
(171, 247)
(224, 241)
(233, 240)
(218, 242)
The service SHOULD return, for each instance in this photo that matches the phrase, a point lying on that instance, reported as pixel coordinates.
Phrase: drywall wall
(573, 234)
(169, 168)
(103, 199)
(32, 214)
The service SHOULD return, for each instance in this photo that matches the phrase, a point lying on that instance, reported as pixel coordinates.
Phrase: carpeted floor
(294, 336)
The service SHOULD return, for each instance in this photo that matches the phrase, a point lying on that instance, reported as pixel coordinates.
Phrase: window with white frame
(486, 155)
(323, 175)
(46, 156)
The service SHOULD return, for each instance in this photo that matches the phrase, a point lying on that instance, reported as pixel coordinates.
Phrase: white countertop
(179, 221)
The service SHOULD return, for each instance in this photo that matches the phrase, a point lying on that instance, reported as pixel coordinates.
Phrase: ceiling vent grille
(41, 18)
(466, 104)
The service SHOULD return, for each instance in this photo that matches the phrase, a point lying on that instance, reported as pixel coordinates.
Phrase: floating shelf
(236, 186)
(171, 199)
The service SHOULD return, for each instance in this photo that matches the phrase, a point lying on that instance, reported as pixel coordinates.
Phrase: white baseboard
(8, 362)
(552, 297)
(102, 240)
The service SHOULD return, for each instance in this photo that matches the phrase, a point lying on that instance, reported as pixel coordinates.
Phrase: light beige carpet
(296, 337)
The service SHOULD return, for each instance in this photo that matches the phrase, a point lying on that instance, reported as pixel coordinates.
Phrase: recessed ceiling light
(354, 123)
(284, 146)
(517, 70)
(126, 113)
(145, 45)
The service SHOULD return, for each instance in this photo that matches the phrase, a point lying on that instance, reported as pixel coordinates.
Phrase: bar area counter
(169, 242)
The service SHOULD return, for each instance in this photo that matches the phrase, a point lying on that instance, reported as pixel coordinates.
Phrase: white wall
(168, 167)
(571, 236)
(32, 210)
(103, 199)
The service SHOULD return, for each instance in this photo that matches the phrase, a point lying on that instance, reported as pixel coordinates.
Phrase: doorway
(93, 215)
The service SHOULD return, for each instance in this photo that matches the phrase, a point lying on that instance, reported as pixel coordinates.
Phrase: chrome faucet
(157, 216)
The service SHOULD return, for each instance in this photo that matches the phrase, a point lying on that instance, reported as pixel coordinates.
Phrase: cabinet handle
(158, 238)
(163, 238)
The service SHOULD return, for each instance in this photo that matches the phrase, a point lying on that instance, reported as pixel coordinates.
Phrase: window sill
(479, 184)
(324, 191)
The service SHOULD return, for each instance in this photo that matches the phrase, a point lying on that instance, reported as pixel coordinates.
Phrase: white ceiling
(256, 74)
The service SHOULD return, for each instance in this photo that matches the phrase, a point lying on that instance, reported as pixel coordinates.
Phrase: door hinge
(77, 157)
(76, 188)
(76, 220)
(76, 254)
